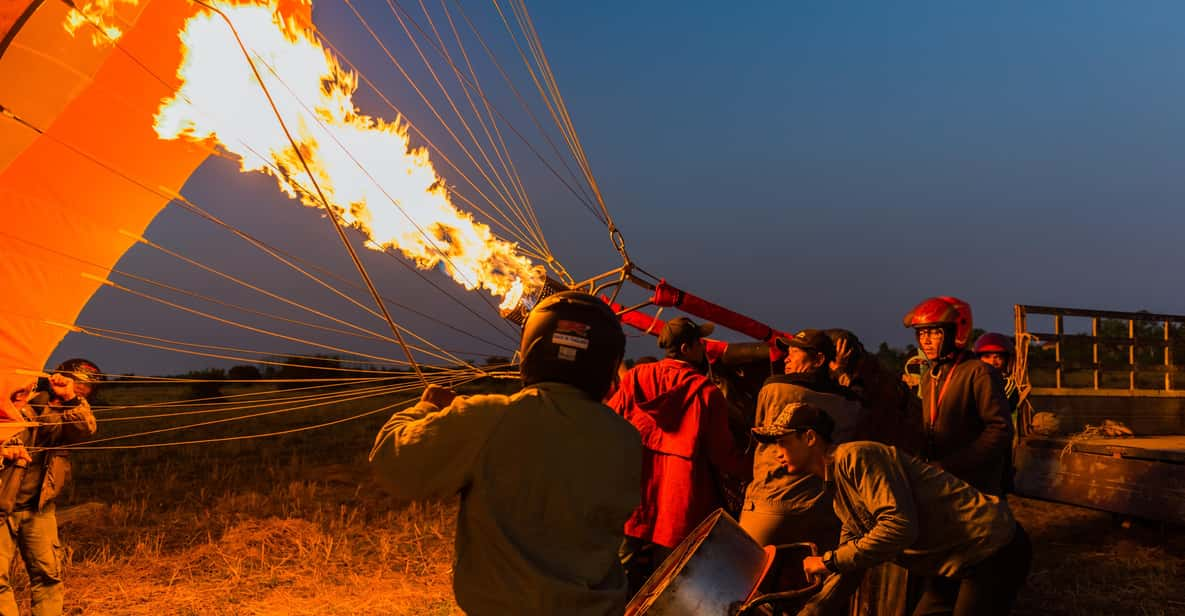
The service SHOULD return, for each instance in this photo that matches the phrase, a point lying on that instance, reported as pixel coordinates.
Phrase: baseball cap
(680, 330)
(815, 340)
(794, 417)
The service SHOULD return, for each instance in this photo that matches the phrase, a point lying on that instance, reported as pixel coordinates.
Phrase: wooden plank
(1087, 392)
(1169, 448)
(1140, 488)
(1106, 314)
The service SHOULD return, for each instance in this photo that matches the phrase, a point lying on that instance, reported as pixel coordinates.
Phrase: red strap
(935, 403)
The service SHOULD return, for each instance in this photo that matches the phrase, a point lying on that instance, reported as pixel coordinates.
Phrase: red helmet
(992, 342)
(944, 310)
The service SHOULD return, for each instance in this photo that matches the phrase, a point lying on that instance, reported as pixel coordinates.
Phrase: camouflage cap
(795, 417)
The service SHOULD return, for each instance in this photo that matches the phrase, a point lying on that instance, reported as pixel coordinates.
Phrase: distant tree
(305, 371)
(497, 360)
(206, 382)
(244, 372)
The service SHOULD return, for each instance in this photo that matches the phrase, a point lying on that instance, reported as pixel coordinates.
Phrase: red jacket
(683, 420)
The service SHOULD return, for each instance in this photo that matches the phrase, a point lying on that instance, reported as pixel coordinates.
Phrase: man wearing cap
(783, 506)
(897, 508)
(683, 420)
(30, 483)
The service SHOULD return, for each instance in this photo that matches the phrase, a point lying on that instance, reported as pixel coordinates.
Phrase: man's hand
(813, 566)
(16, 453)
(440, 396)
(63, 387)
(843, 355)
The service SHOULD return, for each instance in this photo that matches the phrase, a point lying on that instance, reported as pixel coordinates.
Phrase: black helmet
(574, 338)
(82, 371)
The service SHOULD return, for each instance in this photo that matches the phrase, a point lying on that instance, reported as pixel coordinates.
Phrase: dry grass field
(295, 525)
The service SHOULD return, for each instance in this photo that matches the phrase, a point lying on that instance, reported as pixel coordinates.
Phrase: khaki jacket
(775, 489)
(897, 508)
(547, 479)
(62, 423)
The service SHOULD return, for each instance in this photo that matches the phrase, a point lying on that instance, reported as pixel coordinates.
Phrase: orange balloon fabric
(79, 163)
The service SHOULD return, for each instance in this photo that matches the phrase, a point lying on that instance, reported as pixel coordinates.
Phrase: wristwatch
(829, 561)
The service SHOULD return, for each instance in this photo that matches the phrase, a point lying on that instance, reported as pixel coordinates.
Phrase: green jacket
(548, 478)
(896, 507)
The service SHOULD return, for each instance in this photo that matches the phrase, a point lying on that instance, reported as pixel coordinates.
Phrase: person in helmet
(997, 351)
(687, 445)
(547, 476)
(30, 482)
(965, 414)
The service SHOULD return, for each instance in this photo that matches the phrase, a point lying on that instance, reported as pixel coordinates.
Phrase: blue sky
(812, 164)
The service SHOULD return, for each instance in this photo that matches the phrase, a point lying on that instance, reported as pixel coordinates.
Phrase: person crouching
(894, 507)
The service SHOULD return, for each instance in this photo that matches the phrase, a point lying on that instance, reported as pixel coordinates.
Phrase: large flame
(365, 167)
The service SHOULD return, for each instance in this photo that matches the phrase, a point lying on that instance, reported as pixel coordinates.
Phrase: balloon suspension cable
(333, 215)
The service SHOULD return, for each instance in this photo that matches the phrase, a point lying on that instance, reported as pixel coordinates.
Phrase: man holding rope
(30, 482)
(547, 476)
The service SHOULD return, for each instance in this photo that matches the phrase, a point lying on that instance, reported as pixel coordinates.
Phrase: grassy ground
(295, 525)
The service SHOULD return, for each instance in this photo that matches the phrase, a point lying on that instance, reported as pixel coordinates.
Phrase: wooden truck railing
(1124, 370)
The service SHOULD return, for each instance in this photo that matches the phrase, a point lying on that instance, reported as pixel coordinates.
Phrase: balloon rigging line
(512, 204)
(496, 371)
(432, 108)
(352, 397)
(368, 334)
(536, 251)
(177, 346)
(564, 120)
(294, 303)
(499, 143)
(90, 445)
(443, 355)
(342, 332)
(475, 87)
(249, 436)
(290, 260)
(431, 241)
(205, 400)
(233, 323)
(257, 404)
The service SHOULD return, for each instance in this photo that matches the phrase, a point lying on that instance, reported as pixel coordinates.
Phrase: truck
(1087, 377)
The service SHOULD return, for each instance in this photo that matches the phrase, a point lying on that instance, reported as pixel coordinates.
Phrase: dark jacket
(970, 432)
(894, 415)
(774, 488)
(683, 421)
(62, 423)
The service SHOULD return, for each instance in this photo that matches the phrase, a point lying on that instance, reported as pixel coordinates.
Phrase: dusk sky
(809, 164)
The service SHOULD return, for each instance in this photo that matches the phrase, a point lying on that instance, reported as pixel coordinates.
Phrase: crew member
(965, 415)
(29, 484)
(547, 476)
(688, 449)
(897, 508)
